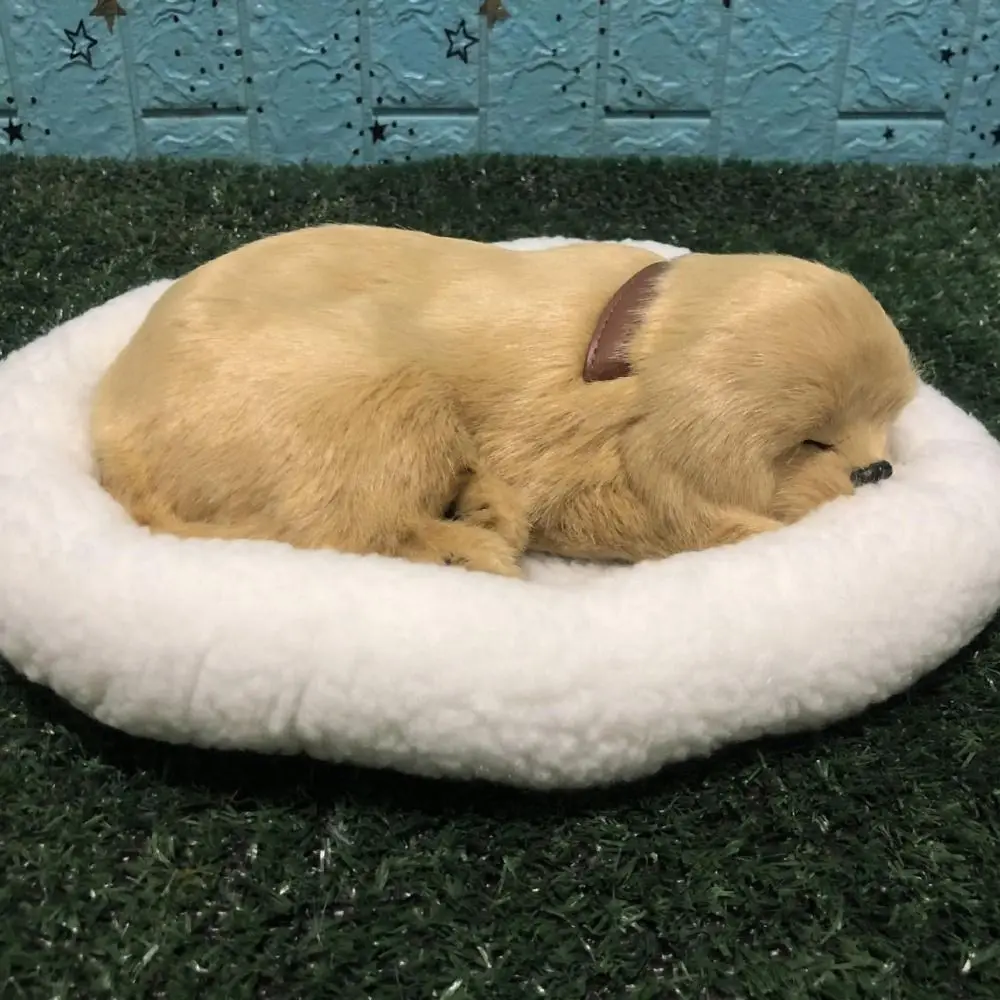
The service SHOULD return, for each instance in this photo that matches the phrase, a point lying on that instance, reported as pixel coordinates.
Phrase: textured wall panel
(187, 54)
(663, 54)
(975, 128)
(307, 73)
(11, 126)
(72, 80)
(422, 54)
(192, 138)
(542, 85)
(364, 81)
(877, 141)
(7, 98)
(895, 61)
(422, 136)
(780, 90)
(657, 136)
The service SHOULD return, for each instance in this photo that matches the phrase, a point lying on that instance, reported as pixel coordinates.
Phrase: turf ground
(861, 862)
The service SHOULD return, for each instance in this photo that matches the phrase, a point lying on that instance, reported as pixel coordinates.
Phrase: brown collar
(606, 355)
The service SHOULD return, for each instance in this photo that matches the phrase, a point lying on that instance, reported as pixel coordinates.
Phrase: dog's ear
(608, 352)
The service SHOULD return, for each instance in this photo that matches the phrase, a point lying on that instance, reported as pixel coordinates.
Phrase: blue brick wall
(363, 81)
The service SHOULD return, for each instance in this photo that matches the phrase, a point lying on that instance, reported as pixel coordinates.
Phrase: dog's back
(262, 383)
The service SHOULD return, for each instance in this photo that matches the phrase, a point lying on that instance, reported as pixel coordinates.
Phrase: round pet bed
(579, 675)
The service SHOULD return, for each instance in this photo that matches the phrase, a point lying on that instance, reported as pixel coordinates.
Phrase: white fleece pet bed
(580, 675)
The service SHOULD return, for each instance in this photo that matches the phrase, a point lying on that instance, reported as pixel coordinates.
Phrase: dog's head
(765, 382)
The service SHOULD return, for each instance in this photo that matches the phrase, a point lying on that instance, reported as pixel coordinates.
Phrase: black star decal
(81, 43)
(460, 41)
(996, 136)
(889, 133)
(378, 132)
(946, 55)
(13, 131)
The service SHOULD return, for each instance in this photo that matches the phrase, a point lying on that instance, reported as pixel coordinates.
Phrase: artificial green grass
(858, 862)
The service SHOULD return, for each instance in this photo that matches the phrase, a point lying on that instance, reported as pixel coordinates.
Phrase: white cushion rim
(579, 676)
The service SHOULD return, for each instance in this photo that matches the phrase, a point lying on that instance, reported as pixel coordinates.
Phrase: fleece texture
(580, 675)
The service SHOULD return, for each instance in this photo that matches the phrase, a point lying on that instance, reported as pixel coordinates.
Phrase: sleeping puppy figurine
(375, 390)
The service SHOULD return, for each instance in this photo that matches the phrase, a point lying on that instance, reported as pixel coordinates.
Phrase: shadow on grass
(249, 780)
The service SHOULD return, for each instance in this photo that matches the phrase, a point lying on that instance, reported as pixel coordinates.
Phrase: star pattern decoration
(996, 136)
(109, 10)
(377, 130)
(459, 41)
(15, 133)
(889, 133)
(494, 11)
(81, 44)
(947, 55)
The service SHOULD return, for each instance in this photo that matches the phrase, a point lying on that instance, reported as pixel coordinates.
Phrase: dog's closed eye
(809, 443)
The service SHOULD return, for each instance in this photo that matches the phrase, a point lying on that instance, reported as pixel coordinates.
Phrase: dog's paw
(486, 501)
(486, 552)
(461, 544)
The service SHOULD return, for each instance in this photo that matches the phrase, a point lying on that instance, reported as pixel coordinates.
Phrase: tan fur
(341, 386)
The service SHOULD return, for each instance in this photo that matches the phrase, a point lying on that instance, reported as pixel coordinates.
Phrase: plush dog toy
(375, 390)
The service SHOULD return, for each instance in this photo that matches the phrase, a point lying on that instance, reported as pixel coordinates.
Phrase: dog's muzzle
(873, 473)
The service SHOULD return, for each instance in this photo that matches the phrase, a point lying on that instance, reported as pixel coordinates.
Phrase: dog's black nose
(873, 473)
